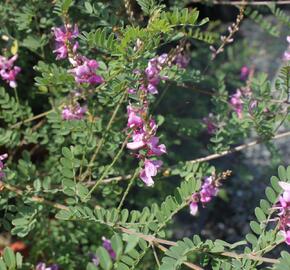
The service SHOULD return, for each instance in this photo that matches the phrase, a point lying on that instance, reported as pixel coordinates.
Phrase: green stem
(127, 190)
(16, 95)
(108, 168)
(101, 142)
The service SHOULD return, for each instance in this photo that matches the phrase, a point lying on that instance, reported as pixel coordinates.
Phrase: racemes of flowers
(143, 127)
(209, 189)
(283, 208)
(84, 69)
(9, 71)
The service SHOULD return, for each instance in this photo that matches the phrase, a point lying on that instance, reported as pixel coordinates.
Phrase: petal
(193, 208)
(285, 186)
(146, 179)
(135, 145)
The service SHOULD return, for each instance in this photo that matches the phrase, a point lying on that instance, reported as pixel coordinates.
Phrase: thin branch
(235, 3)
(127, 190)
(105, 173)
(149, 238)
(32, 118)
(237, 149)
(37, 199)
(202, 159)
(101, 142)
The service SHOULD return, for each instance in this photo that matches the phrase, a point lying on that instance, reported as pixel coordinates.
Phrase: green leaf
(282, 173)
(271, 195)
(105, 259)
(67, 153)
(89, 7)
(9, 258)
(260, 214)
(255, 226)
(117, 244)
(19, 259)
(132, 241)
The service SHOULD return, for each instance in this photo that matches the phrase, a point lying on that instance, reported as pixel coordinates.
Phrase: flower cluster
(84, 69)
(64, 38)
(143, 128)
(152, 73)
(209, 189)
(73, 112)
(145, 141)
(8, 71)
(2, 157)
(108, 246)
(283, 206)
(286, 56)
(42, 266)
(210, 124)
(244, 73)
(237, 103)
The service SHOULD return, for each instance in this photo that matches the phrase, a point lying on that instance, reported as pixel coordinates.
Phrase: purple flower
(150, 169)
(64, 37)
(283, 206)
(253, 105)
(152, 73)
(244, 73)
(95, 259)
(85, 71)
(9, 72)
(237, 103)
(210, 125)
(286, 56)
(138, 141)
(2, 157)
(208, 190)
(134, 117)
(154, 148)
(193, 206)
(205, 195)
(108, 246)
(42, 266)
(181, 60)
(75, 112)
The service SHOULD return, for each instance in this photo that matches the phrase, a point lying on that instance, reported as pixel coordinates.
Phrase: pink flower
(285, 198)
(181, 60)
(64, 37)
(193, 206)
(134, 118)
(108, 246)
(283, 206)
(244, 73)
(150, 169)
(154, 148)
(2, 157)
(210, 125)
(138, 141)
(205, 195)
(85, 71)
(8, 72)
(75, 112)
(286, 235)
(237, 103)
(208, 190)
(152, 74)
